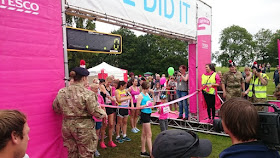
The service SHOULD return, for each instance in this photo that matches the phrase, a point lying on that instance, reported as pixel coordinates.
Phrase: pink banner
(278, 41)
(32, 70)
(192, 77)
(204, 54)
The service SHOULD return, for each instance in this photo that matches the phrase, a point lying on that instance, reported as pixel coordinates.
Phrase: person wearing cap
(257, 89)
(178, 143)
(233, 82)
(77, 104)
(240, 121)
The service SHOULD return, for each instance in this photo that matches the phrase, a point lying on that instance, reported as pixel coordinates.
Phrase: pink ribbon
(168, 103)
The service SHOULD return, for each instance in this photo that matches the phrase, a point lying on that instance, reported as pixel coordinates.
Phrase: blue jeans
(183, 103)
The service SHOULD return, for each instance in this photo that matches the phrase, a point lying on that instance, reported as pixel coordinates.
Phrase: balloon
(170, 71)
(149, 103)
(162, 80)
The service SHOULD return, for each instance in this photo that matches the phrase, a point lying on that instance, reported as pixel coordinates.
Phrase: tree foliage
(272, 49)
(237, 45)
(262, 39)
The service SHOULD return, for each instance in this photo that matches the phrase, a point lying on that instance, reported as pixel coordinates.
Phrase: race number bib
(136, 96)
(108, 101)
(166, 109)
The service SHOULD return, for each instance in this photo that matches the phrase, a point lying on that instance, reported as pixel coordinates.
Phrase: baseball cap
(180, 143)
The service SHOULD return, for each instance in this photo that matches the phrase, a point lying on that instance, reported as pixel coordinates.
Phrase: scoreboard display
(83, 40)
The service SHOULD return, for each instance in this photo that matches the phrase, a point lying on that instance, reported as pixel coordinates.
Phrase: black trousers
(210, 101)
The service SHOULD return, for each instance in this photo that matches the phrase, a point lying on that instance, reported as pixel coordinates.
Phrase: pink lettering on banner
(32, 69)
(202, 21)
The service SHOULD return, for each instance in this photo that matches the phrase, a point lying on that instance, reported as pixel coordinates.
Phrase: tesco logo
(24, 6)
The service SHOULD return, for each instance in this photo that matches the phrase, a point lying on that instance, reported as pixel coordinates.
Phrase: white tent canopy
(109, 69)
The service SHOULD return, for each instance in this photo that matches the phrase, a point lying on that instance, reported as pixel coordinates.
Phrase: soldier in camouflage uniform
(77, 104)
(233, 82)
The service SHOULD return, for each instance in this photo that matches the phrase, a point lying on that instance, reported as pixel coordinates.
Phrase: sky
(250, 14)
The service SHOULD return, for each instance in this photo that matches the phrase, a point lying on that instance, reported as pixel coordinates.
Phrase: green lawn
(132, 149)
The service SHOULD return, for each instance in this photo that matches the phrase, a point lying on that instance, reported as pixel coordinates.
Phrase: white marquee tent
(105, 69)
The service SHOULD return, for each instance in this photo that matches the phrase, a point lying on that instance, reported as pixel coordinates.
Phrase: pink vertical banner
(278, 41)
(203, 50)
(32, 69)
(192, 77)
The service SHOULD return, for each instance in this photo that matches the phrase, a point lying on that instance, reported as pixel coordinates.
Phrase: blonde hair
(247, 68)
(109, 78)
(94, 85)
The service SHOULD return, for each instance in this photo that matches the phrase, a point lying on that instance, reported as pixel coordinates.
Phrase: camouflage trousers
(233, 92)
(81, 142)
(253, 99)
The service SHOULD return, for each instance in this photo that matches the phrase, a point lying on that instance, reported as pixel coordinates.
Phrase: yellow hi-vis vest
(260, 90)
(207, 80)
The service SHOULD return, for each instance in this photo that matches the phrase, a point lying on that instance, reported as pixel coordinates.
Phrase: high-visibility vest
(260, 90)
(207, 80)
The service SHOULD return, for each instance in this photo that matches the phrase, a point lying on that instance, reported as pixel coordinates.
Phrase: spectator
(268, 67)
(276, 76)
(247, 73)
(172, 94)
(182, 90)
(180, 144)
(13, 134)
(130, 82)
(243, 134)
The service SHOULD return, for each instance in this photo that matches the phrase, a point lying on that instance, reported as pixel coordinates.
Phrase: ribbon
(168, 103)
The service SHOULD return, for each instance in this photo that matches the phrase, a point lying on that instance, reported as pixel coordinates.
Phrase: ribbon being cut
(168, 103)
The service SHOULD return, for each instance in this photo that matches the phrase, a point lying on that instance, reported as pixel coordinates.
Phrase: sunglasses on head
(194, 144)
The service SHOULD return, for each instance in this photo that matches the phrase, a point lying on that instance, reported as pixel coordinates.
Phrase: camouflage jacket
(233, 80)
(76, 100)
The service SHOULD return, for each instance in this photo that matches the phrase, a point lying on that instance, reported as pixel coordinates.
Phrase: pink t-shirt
(217, 77)
(164, 111)
(100, 101)
(113, 95)
(134, 94)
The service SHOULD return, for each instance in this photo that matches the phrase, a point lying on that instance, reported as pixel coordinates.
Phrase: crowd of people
(80, 103)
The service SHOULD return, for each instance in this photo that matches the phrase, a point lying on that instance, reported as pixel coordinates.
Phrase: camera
(268, 130)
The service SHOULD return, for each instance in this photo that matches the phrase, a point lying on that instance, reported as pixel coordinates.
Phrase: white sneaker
(138, 130)
(96, 154)
(133, 130)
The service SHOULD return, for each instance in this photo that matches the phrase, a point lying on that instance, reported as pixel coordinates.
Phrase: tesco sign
(24, 6)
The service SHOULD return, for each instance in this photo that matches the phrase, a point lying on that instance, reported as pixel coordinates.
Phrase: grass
(132, 149)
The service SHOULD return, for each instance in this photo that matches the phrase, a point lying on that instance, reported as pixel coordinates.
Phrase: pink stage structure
(32, 70)
(34, 64)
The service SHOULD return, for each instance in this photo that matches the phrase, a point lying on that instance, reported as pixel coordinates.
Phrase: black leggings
(210, 101)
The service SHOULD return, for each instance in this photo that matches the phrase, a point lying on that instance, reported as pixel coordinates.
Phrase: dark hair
(10, 121)
(241, 118)
(75, 76)
(145, 85)
(212, 67)
(131, 74)
(121, 83)
(101, 81)
(183, 67)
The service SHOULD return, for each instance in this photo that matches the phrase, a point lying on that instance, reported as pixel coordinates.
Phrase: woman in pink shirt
(134, 91)
(94, 87)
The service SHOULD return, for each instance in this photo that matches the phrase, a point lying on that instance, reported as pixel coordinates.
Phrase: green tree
(75, 57)
(272, 49)
(237, 45)
(262, 39)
